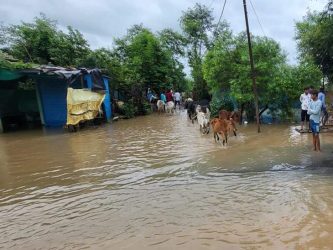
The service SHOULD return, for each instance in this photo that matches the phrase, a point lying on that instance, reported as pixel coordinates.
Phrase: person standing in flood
(305, 100)
(321, 97)
(314, 111)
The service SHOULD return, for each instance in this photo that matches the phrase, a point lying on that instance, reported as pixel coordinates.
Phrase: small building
(39, 96)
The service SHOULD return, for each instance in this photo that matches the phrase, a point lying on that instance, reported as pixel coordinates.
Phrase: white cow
(160, 106)
(203, 120)
(170, 107)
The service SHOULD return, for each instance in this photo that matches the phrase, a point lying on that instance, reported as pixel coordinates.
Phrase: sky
(101, 21)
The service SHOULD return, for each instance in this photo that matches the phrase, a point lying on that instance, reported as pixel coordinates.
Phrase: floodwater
(155, 182)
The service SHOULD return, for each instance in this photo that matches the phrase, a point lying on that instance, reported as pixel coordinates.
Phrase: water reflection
(155, 182)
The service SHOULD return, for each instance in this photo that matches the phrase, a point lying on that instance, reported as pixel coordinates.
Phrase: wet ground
(155, 182)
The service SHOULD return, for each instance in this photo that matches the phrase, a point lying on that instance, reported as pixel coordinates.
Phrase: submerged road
(155, 182)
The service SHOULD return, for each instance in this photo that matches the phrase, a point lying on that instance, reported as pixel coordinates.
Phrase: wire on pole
(218, 23)
(258, 19)
(254, 84)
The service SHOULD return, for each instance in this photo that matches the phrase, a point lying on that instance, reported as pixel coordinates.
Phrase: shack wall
(107, 100)
(53, 98)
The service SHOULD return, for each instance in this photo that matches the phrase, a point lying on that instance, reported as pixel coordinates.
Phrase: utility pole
(254, 84)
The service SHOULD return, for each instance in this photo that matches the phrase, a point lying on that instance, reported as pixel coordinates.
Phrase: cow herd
(168, 107)
(198, 111)
(222, 127)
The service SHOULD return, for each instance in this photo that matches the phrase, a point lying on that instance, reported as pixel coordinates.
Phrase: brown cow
(233, 116)
(222, 127)
(224, 114)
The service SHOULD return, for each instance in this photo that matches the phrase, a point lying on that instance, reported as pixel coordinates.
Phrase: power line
(254, 10)
(218, 23)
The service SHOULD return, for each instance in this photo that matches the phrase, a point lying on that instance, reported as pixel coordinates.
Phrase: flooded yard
(155, 182)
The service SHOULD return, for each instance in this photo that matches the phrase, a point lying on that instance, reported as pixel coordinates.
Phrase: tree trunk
(263, 110)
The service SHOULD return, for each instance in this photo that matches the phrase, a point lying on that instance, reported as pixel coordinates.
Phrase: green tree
(108, 62)
(8, 62)
(306, 73)
(31, 42)
(41, 42)
(173, 41)
(147, 62)
(197, 24)
(314, 36)
(227, 69)
(68, 49)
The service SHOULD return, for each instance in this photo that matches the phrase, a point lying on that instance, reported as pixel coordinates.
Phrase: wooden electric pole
(254, 84)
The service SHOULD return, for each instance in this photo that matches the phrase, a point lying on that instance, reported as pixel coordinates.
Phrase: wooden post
(254, 84)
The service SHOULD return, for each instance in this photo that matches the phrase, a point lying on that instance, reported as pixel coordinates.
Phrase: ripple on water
(155, 182)
(286, 167)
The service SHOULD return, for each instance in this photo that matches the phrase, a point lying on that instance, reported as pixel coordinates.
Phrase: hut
(40, 96)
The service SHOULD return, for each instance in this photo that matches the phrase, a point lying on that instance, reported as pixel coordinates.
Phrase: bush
(129, 110)
(146, 108)
(219, 102)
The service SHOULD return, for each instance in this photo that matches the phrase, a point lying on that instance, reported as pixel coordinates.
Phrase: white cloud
(103, 20)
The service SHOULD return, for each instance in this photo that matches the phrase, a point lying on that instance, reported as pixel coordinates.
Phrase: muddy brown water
(155, 183)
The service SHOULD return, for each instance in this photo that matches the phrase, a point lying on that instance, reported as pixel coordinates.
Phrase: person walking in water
(177, 98)
(305, 100)
(314, 112)
(163, 98)
(150, 95)
(169, 96)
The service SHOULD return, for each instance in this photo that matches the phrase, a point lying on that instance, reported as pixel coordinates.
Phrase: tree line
(217, 57)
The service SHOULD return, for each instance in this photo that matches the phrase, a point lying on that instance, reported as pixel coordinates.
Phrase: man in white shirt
(177, 97)
(314, 110)
(305, 100)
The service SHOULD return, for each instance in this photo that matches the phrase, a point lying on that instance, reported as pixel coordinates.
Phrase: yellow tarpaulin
(82, 105)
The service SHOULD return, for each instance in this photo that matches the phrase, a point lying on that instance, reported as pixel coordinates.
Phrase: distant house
(39, 96)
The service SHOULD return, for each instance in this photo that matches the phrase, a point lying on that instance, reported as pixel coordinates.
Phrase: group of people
(169, 96)
(313, 105)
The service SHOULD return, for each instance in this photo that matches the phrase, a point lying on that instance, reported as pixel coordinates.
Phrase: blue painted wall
(88, 80)
(53, 97)
(107, 100)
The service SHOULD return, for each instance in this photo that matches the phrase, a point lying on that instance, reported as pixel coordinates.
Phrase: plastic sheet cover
(82, 105)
